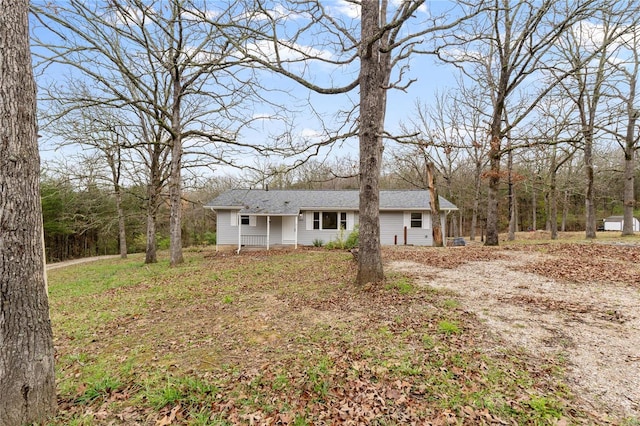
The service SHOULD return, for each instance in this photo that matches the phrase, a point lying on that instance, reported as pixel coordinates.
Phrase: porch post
(295, 232)
(268, 230)
(239, 222)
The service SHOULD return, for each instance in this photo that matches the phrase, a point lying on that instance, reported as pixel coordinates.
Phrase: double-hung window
(416, 220)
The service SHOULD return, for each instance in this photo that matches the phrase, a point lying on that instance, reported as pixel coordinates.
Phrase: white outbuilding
(615, 223)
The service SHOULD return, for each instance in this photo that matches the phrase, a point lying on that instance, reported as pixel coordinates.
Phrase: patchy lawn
(284, 337)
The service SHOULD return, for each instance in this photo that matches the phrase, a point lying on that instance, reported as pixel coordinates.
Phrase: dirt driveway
(57, 265)
(579, 303)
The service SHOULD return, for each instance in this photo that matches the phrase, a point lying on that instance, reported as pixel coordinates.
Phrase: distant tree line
(80, 218)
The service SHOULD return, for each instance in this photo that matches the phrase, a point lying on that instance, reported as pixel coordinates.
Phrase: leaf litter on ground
(284, 337)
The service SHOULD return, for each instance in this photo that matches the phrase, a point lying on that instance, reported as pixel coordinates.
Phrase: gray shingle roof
(290, 202)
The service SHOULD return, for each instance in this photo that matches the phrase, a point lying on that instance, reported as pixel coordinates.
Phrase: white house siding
(392, 225)
(227, 234)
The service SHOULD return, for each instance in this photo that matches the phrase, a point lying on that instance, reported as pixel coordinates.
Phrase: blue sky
(429, 75)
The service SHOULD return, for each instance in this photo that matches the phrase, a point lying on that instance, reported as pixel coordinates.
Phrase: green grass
(279, 335)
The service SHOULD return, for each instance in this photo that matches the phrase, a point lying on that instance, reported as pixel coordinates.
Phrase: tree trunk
(590, 225)
(175, 179)
(512, 196)
(175, 199)
(151, 255)
(122, 231)
(372, 106)
(565, 210)
(629, 160)
(476, 200)
(492, 193)
(435, 208)
(534, 208)
(553, 197)
(27, 380)
(495, 154)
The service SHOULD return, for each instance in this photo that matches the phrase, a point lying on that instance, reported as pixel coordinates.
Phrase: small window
(416, 220)
(316, 220)
(244, 220)
(343, 220)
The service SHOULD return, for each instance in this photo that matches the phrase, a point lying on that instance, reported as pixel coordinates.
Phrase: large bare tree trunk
(27, 383)
(175, 179)
(175, 198)
(629, 155)
(494, 179)
(372, 108)
(435, 208)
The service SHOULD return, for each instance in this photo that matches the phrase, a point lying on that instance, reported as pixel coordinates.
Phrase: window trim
(416, 222)
(315, 220)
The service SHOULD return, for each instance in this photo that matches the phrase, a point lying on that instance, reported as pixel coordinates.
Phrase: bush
(341, 243)
(210, 238)
(353, 240)
(318, 242)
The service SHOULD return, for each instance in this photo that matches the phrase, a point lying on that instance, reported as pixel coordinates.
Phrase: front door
(289, 229)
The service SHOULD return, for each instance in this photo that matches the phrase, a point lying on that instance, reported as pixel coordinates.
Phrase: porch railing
(253, 240)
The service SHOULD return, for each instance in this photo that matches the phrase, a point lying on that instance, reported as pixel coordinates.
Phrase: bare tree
(26, 359)
(624, 88)
(502, 49)
(273, 41)
(103, 136)
(166, 64)
(588, 50)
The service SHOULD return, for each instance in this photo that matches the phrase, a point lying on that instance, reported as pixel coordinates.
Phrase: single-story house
(264, 218)
(615, 223)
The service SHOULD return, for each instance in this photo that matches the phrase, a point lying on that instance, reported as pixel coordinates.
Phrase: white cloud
(308, 134)
(288, 52)
(344, 7)
(352, 10)
(209, 15)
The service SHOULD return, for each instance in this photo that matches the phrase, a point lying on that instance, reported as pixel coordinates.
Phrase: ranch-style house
(268, 218)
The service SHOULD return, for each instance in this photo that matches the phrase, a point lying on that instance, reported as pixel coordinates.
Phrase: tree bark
(589, 201)
(553, 196)
(175, 179)
(512, 196)
(122, 231)
(476, 199)
(629, 156)
(372, 108)
(26, 357)
(494, 185)
(153, 188)
(435, 208)
(534, 207)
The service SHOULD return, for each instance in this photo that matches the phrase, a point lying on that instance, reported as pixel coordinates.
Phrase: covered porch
(266, 231)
